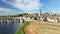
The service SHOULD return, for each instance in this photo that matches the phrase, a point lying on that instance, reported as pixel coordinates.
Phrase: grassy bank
(21, 29)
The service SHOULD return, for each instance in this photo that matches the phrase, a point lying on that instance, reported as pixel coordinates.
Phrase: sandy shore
(37, 27)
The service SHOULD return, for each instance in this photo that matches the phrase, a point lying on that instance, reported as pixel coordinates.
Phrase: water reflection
(9, 28)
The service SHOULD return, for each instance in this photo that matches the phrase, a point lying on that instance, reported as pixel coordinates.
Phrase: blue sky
(10, 7)
(51, 5)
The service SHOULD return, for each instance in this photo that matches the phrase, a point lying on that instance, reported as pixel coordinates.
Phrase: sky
(12, 7)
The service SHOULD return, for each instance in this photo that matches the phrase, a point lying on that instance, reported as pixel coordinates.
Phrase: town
(49, 17)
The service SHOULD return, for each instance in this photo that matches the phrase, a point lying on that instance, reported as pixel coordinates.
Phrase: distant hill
(8, 16)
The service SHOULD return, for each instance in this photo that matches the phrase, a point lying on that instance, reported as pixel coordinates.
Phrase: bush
(45, 19)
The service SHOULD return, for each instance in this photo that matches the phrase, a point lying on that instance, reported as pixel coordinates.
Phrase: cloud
(26, 5)
(6, 11)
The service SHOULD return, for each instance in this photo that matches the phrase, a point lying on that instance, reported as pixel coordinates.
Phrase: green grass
(21, 29)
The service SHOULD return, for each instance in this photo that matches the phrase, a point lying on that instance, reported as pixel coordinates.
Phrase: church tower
(40, 13)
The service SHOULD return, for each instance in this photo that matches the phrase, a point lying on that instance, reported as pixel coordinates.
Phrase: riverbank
(21, 29)
(38, 27)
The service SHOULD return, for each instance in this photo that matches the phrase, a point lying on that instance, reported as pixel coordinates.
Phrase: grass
(21, 29)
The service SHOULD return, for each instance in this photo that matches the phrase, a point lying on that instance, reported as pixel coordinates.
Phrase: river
(9, 28)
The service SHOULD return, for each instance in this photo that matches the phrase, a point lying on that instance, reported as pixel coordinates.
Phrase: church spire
(40, 12)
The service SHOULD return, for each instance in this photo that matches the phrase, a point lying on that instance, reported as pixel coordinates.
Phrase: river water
(9, 28)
